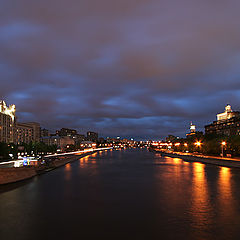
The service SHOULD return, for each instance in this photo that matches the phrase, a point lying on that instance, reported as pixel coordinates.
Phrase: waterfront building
(66, 132)
(79, 138)
(60, 142)
(23, 133)
(27, 132)
(7, 122)
(92, 136)
(227, 123)
(36, 130)
(88, 144)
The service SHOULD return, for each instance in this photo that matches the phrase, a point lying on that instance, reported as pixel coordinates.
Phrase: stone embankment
(203, 159)
(12, 174)
(8, 175)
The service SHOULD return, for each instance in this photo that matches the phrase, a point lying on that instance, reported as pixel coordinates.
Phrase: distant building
(228, 123)
(79, 138)
(44, 132)
(66, 132)
(51, 140)
(7, 122)
(192, 130)
(88, 144)
(60, 142)
(92, 136)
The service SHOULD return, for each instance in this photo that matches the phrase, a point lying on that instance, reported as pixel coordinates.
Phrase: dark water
(127, 194)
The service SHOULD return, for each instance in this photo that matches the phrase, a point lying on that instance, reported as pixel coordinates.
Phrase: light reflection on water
(226, 200)
(67, 171)
(201, 207)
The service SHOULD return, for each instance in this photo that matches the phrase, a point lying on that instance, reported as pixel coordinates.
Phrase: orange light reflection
(201, 207)
(225, 192)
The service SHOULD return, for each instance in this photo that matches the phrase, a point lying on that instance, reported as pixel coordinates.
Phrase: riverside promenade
(220, 161)
(11, 174)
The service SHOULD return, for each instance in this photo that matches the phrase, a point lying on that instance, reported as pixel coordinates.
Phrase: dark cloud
(131, 67)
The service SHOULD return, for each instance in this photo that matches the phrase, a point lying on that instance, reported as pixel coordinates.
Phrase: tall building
(23, 133)
(228, 123)
(36, 130)
(27, 132)
(7, 122)
(92, 136)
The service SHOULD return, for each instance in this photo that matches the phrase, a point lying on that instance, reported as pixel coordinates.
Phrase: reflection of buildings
(228, 123)
(7, 121)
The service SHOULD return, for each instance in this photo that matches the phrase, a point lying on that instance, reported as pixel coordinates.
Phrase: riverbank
(13, 174)
(203, 159)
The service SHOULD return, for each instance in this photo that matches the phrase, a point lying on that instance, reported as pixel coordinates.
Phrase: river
(124, 194)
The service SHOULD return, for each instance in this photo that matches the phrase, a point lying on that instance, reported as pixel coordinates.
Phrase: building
(51, 140)
(27, 132)
(23, 133)
(36, 130)
(60, 142)
(192, 130)
(79, 138)
(44, 132)
(7, 122)
(66, 132)
(228, 123)
(227, 114)
(92, 136)
(88, 144)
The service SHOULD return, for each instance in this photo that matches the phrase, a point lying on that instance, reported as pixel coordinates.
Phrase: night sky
(142, 68)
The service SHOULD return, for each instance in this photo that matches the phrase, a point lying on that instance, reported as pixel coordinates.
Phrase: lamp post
(198, 144)
(223, 145)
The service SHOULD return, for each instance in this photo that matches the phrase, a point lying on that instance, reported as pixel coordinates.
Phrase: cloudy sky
(142, 68)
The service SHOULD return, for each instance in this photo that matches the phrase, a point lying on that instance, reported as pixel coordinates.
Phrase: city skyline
(125, 68)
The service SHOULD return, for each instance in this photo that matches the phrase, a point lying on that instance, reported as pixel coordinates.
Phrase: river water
(125, 194)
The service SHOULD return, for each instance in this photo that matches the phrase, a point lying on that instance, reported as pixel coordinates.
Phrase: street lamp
(198, 144)
(223, 145)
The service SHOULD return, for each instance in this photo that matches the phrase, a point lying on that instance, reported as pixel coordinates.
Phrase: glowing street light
(223, 145)
(198, 144)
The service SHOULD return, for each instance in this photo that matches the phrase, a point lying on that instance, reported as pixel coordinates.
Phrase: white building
(227, 114)
(7, 122)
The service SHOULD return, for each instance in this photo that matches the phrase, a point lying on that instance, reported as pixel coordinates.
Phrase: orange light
(224, 143)
(185, 144)
(177, 144)
(198, 144)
